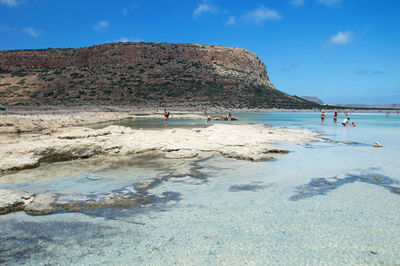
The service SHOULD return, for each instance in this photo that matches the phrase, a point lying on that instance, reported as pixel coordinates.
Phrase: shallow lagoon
(323, 203)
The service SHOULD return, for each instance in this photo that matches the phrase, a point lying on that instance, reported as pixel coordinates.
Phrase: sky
(341, 51)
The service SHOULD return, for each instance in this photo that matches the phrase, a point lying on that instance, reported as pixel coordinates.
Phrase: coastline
(17, 119)
(318, 184)
(59, 135)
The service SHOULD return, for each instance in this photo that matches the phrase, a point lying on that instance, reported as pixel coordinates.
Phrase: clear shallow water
(323, 203)
(153, 123)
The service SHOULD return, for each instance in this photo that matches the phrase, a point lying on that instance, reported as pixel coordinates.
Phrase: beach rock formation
(30, 120)
(247, 142)
(143, 74)
(13, 200)
(41, 204)
(17, 200)
(225, 118)
(17, 122)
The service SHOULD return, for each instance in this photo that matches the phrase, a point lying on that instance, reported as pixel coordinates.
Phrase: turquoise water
(153, 123)
(333, 202)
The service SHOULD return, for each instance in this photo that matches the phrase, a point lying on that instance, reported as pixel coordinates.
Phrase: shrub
(4, 71)
(18, 73)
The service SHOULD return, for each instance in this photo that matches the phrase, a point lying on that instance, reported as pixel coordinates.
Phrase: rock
(41, 204)
(377, 145)
(18, 162)
(225, 118)
(13, 200)
(144, 186)
(246, 142)
(181, 154)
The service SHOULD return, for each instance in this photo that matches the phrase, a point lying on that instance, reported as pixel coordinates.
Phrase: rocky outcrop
(225, 118)
(247, 142)
(13, 200)
(140, 74)
(16, 200)
(28, 120)
(41, 204)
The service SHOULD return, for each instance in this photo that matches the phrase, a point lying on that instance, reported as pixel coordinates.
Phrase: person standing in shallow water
(323, 115)
(229, 116)
(166, 115)
(335, 117)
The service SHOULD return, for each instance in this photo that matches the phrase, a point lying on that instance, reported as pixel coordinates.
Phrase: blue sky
(342, 51)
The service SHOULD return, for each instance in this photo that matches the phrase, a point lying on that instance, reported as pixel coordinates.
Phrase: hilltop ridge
(140, 74)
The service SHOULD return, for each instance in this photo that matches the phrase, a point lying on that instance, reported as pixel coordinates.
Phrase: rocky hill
(140, 74)
(313, 99)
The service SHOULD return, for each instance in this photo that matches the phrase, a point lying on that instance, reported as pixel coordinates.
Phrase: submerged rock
(17, 200)
(41, 204)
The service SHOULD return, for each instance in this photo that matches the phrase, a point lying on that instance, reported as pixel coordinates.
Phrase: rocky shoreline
(61, 139)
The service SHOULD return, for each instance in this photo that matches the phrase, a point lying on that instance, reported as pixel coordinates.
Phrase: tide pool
(331, 202)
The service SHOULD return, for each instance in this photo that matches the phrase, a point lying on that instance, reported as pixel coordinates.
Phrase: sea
(333, 202)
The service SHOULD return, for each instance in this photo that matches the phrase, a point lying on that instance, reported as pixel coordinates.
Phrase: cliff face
(139, 73)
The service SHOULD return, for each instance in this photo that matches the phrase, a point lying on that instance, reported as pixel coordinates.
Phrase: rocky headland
(141, 74)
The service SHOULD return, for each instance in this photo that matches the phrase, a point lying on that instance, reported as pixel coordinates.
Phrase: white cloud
(9, 2)
(297, 2)
(342, 37)
(31, 31)
(230, 21)
(204, 7)
(261, 14)
(101, 25)
(329, 2)
(129, 39)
